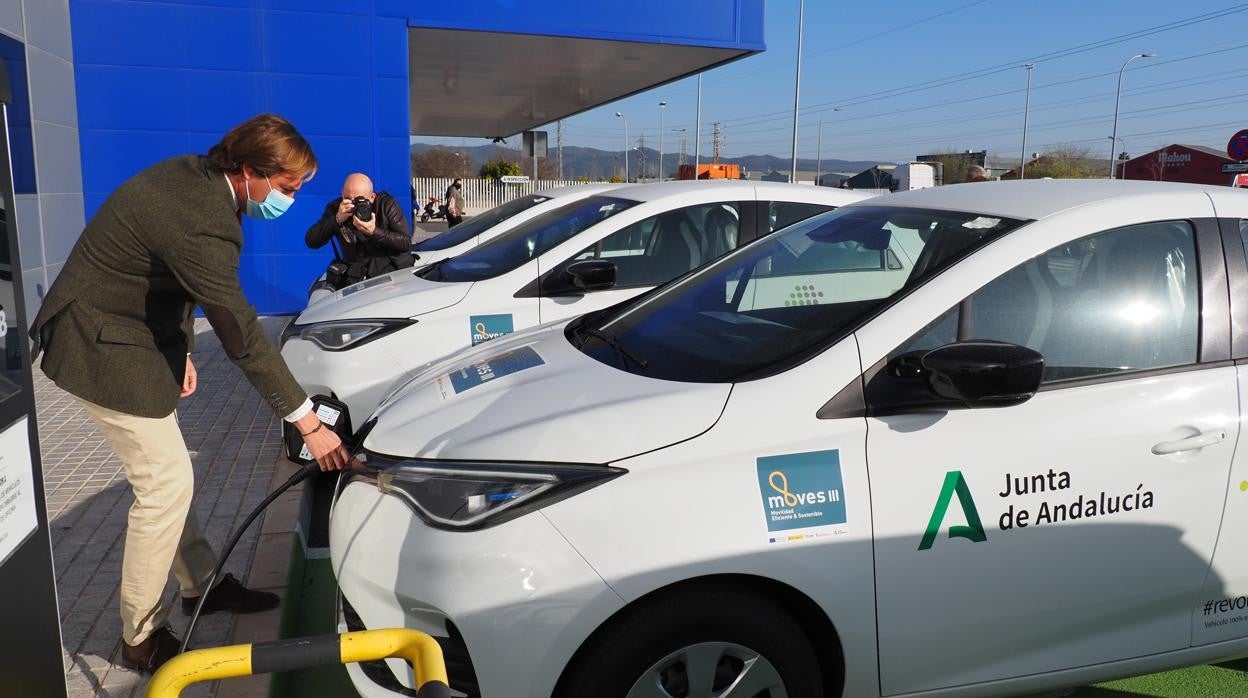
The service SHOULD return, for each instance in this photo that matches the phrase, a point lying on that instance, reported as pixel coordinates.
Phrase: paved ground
(234, 441)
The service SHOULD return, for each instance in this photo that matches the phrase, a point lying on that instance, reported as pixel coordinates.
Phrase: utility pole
(559, 145)
(697, 131)
(641, 156)
(662, 108)
(1022, 161)
(625, 120)
(717, 140)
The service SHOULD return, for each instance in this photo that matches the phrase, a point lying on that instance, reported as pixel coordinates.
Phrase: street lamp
(1113, 140)
(819, 151)
(797, 86)
(625, 145)
(1022, 158)
(662, 109)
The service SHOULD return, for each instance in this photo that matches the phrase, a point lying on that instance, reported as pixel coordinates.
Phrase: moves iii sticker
(801, 490)
(486, 327)
(494, 368)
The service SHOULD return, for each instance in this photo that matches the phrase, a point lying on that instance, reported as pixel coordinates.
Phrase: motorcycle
(433, 210)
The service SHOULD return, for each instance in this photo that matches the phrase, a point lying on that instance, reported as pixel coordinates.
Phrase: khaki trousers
(162, 532)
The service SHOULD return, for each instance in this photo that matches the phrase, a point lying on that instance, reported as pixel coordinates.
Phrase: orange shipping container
(710, 171)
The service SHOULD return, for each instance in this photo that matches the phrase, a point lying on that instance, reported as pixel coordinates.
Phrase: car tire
(659, 641)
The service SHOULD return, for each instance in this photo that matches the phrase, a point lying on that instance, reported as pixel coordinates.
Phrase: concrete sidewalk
(235, 443)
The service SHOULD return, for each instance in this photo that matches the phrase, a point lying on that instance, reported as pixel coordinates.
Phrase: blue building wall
(157, 79)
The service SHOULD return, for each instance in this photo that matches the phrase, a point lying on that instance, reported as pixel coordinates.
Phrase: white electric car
(492, 223)
(478, 229)
(582, 256)
(795, 473)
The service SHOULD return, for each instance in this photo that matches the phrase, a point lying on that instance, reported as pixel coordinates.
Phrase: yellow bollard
(421, 650)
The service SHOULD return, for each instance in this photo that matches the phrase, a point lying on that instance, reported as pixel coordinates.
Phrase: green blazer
(116, 326)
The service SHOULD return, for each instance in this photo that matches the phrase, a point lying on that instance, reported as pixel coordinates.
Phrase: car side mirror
(582, 277)
(983, 374)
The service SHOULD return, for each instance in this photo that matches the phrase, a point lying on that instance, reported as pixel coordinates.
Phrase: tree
(956, 166)
(439, 161)
(1067, 162)
(546, 167)
(498, 168)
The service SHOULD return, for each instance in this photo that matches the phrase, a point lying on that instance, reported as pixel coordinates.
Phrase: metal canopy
(489, 84)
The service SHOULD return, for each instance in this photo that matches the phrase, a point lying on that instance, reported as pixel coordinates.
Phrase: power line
(1011, 65)
(965, 100)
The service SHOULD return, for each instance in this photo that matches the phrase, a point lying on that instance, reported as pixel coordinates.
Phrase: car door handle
(1191, 443)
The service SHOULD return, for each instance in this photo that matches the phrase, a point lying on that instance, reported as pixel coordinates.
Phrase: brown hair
(266, 143)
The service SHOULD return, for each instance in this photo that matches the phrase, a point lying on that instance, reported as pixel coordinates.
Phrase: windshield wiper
(610, 340)
(425, 271)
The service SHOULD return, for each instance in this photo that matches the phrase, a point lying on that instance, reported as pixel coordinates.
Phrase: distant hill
(593, 163)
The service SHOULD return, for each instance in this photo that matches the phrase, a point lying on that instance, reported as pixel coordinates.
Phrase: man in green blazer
(116, 332)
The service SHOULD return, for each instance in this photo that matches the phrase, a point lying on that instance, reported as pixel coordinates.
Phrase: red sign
(1241, 180)
(1238, 147)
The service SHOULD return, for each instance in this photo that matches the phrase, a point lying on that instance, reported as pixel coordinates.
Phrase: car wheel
(707, 644)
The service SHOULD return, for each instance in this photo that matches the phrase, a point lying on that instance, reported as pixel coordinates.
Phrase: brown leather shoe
(229, 594)
(147, 656)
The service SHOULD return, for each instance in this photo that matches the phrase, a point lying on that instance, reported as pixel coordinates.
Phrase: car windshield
(781, 300)
(526, 241)
(479, 224)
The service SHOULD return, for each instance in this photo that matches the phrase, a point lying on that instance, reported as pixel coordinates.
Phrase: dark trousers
(453, 220)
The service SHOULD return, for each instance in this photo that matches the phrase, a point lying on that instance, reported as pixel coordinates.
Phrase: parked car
(575, 258)
(492, 223)
(1013, 470)
(475, 230)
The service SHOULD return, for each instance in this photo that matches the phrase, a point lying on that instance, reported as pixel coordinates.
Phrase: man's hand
(345, 209)
(366, 227)
(190, 381)
(324, 444)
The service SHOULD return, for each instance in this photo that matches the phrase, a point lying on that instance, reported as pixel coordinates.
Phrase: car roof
(1029, 199)
(565, 190)
(766, 190)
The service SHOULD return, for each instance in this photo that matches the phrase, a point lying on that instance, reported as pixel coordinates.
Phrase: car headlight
(462, 495)
(337, 335)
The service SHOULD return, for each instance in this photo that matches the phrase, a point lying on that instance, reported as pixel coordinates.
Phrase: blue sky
(914, 77)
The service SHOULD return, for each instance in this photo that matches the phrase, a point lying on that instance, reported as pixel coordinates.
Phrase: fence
(480, 194)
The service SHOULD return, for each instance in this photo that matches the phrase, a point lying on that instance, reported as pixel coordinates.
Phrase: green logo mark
(954, 482)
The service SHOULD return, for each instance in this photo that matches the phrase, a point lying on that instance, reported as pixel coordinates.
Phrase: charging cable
(302, 474)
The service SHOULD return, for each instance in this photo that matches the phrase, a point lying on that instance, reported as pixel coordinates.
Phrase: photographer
(369, 233)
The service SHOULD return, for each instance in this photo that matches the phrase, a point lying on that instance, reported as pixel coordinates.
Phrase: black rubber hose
(295, 479)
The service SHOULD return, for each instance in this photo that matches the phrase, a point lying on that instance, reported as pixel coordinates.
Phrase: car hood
(394, 295)
(532, 396)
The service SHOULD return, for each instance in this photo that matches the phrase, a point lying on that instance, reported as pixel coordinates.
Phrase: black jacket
(391, 236)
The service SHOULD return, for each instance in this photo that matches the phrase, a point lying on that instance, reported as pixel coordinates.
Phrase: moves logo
(494, 368)
(487, 327)
(801, 490)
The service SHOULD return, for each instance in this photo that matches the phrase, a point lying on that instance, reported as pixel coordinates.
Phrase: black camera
(363, 208)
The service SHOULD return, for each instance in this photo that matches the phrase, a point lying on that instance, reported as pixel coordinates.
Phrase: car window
(783, 298)
(660, 248)
(479, 224)
(782, 214)
(1122, 300)
(526, 241)
(1243, 231)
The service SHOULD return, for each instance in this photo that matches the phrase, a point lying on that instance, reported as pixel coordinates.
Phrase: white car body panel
(483, 418)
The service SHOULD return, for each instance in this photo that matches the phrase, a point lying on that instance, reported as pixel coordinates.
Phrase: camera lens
(363, 208)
